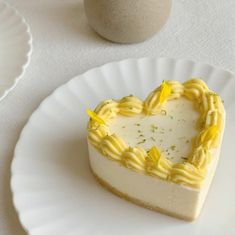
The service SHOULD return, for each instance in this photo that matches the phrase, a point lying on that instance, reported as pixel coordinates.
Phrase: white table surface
(64, 46)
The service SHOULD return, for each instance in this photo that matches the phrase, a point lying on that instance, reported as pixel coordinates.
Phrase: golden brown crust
(137, 201)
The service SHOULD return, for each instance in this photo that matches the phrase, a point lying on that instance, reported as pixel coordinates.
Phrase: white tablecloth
(65, 46)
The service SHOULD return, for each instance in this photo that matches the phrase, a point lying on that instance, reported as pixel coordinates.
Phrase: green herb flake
(213, 93)
(153, 128)
(142, 141)
(163, 112)
(173, 147)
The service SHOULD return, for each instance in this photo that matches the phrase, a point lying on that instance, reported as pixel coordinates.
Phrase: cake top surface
(172, 131)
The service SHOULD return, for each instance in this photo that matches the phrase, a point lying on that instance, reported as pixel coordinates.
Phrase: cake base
(138, 202)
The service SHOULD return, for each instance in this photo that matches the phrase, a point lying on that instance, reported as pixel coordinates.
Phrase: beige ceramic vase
(127, 21)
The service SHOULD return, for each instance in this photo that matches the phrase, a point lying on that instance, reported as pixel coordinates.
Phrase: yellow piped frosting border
(192, 171)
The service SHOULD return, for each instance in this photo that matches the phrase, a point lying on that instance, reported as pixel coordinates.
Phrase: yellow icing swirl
(187, 174)
(195, 89)
(191, 172)
(157, 164)
(95, 135)
(113, 147)
(210, 104)
(211, 101)
(130, 106)
(177, 89)
(200, 157)
(214, 117)
(134, 158)
(107, 109)
(157, 98)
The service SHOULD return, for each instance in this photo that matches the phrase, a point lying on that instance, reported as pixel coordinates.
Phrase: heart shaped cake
(160, 153)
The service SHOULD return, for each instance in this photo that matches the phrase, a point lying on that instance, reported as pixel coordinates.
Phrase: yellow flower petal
(154, 152)
(164, 92)
(95, 117)
(209, 134)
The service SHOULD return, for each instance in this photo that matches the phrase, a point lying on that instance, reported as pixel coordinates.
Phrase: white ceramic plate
(53, 189)
(15, 48)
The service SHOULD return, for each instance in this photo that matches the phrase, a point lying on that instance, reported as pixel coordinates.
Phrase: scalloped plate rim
(28, 53)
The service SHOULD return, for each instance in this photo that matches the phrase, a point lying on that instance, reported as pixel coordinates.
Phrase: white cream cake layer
(180, 201)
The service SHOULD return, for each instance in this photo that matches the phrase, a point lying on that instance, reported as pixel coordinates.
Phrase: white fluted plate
(53, 189)
(15, 48)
